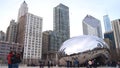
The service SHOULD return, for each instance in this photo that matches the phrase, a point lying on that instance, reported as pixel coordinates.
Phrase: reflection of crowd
(13, 59)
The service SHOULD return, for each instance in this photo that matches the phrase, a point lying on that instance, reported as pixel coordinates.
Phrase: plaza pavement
(52, 67)
(24, 66)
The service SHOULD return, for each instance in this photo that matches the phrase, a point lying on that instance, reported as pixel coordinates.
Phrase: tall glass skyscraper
(61, 23)
(92, 26)
(107, 23)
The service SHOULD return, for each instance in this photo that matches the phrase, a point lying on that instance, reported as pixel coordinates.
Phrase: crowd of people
(49, 64)
(92, 64)
(75, 63)
(13, 59)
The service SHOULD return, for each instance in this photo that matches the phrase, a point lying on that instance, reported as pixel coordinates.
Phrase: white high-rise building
(30, 35)
(92, 26)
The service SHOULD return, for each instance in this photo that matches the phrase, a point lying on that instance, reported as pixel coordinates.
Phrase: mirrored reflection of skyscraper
(61, 23)
(107, 23)
(92, 26)
(116, 31)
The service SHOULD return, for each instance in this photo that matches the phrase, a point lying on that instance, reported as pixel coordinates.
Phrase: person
(18, 60)
(68, 64)
(94, 63)
(9, 56)
(76, 62)
(14, 60)
(86, 63)
(41, 64)
(89, 64)
(49, 64)
(118, 63)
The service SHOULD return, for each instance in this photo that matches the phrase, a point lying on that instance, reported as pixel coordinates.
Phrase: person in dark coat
(49, 64)
(68, 63)
(14, 60)
(41, 64)
(18, 60)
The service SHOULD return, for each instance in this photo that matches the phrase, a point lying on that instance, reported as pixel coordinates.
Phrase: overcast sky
(78, 9)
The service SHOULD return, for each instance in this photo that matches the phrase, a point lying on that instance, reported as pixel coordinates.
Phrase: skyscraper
(48, 45)
(23, 9)
(61, 23)
(2, 36)
(11, 34)
(116, 31)
(30, 35)
(110, 36)
(92, 26)
(107, 23)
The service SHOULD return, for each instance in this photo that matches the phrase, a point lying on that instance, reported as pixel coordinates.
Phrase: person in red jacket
(9, 56)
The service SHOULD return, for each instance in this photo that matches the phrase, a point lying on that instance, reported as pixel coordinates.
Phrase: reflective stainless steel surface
(82, 44)
(90, 46)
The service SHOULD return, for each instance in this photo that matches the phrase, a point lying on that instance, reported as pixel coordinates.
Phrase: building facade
(110, 40)
(91, 26)
(110, 36)
(30, 35)
(46, 44)
(61, 23)
(6, 47)
(2, 36)
(49, 48)
(107, 23)
(116, 31)
(11, 33)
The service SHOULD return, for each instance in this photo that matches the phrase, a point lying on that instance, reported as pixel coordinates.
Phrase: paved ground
(24, 66)
(53, 67)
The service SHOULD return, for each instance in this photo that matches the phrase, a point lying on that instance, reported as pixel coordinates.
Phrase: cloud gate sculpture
(84, 48)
